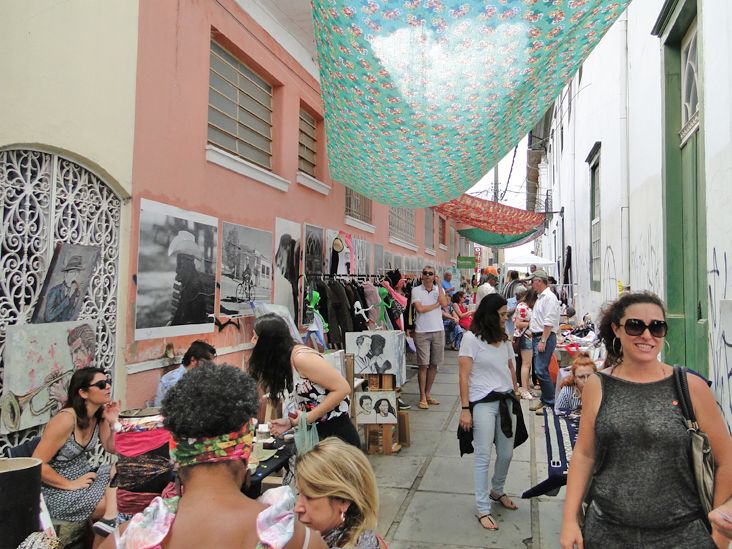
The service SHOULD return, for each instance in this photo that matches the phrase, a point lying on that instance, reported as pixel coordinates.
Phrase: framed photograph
(377, 352)
(66, 283)
(287, 266)
(39, 362)
(246, 269)
(376, 407)
(176, 272)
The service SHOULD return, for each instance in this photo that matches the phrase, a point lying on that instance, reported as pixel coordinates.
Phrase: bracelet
(466, 407)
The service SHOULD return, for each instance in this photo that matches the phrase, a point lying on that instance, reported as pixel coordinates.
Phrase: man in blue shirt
(447, 284)
(197, 352)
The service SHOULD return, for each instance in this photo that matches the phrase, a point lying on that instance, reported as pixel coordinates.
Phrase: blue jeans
(453, 333)
(486, 432)
(541, 368)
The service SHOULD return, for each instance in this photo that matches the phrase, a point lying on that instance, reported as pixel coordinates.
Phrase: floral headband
(228, 447)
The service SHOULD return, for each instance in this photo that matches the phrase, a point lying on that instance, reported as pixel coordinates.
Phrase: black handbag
(701, 451)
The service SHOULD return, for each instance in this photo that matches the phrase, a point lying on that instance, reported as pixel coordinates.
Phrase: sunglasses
(636, 327)
(101, 385)
(584, 377)
(427, 273)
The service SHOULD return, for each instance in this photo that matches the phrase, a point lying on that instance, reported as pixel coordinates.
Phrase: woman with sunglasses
(633, 452)
(73, 489)
(570, 394)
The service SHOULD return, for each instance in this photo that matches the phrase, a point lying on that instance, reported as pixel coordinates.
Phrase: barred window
(307, 157)
(239, 109)
(401, 223)
(443, 231)
(429, 229)
(358, 206)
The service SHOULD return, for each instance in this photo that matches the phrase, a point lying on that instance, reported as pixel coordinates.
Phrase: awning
(423, 97)
(494, 240)
(491, 216)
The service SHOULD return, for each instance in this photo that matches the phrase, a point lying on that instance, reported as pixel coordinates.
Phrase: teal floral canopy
(423, 97)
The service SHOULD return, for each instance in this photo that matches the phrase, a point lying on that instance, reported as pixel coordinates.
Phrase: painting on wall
(39, 362)
(377, 352)
(378, 258)
(314, 250)
(176, 272)
(66, 283)
(287, 266)
(376, 407)
(246, 269)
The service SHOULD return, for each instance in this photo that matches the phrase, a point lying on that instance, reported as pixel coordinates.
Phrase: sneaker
(526, 395)
(403, 405)
(539, 411)
(537, 406)
(103, 527)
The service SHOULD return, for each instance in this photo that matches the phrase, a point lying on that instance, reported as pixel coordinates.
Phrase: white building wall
(715, 22)
(620, 81)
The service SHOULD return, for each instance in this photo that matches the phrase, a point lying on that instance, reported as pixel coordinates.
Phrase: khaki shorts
(430, 347)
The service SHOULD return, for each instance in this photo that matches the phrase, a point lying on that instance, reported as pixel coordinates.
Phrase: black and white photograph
(314, 250)
(377, 352)
(66, 284)
(378, 258)
(246, 269)
(338, 252)
(362, 251)
(176, 272)
(287, 266)
(388, 262)
(376, 408)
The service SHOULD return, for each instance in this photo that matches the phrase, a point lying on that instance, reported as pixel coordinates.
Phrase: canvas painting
(314, 250)
(39, 362)
(66, 283)
(377, 352)
(376, 408)
(378, 258)
(287, 266)
(246, 269)
(388, 262)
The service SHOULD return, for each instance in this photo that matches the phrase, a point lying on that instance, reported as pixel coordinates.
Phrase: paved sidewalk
(426, 490)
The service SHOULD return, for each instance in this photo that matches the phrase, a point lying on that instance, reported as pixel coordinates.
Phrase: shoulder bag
(701, 451)
(306, 436)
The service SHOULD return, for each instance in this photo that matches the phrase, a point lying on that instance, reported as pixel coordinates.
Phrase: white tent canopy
(524, 261)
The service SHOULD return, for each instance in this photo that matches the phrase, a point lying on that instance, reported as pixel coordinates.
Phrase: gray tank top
(643, 476)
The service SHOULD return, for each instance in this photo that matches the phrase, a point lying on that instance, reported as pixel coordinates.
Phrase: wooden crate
(380, 439)
(404, 436)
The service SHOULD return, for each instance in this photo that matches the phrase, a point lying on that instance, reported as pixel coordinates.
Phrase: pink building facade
(174, 163)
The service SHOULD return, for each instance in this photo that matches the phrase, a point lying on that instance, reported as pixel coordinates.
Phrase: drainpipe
(625, 155)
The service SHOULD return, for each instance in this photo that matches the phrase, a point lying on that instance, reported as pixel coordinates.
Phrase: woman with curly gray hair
(208, 413)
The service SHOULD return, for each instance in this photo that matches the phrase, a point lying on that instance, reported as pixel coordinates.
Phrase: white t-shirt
(490, 366)
(483, 290)
(430, 321)
(545, 313)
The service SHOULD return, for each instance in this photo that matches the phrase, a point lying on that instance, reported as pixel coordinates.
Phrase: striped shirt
(569, 399)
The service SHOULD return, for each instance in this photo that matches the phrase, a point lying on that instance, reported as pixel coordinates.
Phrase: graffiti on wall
(645, 264)
(720, 343)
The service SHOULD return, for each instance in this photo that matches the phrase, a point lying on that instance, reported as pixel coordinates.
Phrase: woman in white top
(487, 385)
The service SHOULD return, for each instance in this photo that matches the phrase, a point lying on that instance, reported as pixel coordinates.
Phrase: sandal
(432, 401)
(423, 405)
(493, 525)
(504, 500)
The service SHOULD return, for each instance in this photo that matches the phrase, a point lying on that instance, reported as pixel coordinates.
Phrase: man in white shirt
(429, 332)
(544, 326)
(486, 288)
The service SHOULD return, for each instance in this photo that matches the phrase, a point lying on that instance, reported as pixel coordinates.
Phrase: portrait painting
(66, 283)
(176, 272)
(376, 408)
(246, 269)
(39, 361)
(287, 266)
(377, 352)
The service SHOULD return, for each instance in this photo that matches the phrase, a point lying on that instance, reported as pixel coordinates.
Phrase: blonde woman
(337, 495)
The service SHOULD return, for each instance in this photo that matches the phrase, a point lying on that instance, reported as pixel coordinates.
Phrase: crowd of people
(632, 436)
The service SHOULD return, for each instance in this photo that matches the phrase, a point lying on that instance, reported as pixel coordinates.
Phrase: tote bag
(306, 436)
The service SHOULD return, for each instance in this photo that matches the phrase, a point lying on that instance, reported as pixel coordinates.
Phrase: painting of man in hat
(66, 283)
